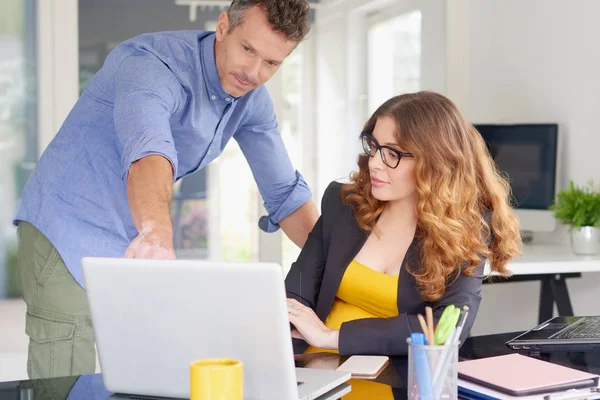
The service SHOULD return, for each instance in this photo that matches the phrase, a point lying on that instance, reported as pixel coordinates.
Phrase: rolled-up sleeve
(147, 93)
(282, 188)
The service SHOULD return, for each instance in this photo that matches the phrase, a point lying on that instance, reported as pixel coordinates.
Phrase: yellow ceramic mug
(216, 379)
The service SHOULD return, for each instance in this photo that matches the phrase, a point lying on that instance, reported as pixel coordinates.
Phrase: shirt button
(227, 99)
(213, 97)
(209, 152)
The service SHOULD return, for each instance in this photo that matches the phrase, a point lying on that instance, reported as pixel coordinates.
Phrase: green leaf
(578, 206)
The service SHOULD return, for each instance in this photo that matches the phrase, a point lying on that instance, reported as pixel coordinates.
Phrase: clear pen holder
(432, 372)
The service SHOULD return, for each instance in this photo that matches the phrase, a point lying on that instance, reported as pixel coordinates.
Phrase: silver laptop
(152, 318)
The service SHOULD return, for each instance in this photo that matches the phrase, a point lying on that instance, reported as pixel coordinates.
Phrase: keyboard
(588, 329)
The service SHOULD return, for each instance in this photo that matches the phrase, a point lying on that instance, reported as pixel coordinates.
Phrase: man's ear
(222, 25)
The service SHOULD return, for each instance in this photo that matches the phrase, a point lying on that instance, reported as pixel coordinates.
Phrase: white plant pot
(585, 241)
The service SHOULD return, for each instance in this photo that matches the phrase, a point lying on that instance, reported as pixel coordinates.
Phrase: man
(163, 105)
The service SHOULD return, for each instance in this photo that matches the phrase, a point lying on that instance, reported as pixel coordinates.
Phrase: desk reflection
(388, 385)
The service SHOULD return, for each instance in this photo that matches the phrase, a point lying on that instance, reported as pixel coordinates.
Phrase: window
(394, 56)
(290, 126)
(18, 123)
(237, 206)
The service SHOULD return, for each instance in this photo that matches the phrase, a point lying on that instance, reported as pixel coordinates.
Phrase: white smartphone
(364, 367)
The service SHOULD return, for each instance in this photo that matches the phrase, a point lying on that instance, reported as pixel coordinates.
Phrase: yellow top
(363, 293)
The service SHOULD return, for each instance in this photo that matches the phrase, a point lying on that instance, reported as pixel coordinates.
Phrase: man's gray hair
(288, 17)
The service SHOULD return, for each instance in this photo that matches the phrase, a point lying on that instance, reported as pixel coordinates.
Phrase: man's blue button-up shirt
(157, 93)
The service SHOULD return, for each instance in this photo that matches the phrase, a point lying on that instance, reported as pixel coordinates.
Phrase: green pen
(446, 324)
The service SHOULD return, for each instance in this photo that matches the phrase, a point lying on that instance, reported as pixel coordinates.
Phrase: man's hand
(151, 243)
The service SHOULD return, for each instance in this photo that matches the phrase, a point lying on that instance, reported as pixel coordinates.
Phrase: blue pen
(422, 371)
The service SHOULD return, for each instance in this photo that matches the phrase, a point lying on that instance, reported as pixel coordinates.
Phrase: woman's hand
(310, 328)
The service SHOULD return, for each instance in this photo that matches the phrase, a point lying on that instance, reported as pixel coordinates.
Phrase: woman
(412, 229)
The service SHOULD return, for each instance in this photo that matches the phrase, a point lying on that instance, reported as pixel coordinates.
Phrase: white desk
(551, 264)
(552, 259)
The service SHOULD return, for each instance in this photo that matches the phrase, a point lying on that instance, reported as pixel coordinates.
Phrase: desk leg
(554, 290)
(561, 296)
(546, 306)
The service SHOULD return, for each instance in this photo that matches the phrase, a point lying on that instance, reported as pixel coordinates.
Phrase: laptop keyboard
(588, 329)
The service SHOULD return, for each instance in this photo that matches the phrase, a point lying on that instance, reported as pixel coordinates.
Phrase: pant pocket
(45, 260)
(50, 346)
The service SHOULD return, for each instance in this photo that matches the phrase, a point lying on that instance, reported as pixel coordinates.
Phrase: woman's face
(390, 184)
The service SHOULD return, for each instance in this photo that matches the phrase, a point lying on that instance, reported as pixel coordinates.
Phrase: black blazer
(315, 277)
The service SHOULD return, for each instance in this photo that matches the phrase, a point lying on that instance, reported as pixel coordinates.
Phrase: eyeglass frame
(378, 147)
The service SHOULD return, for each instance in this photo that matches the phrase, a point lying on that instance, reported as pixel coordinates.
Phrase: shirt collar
(209, 66)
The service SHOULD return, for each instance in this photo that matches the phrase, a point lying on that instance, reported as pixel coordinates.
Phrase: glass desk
(390, 384)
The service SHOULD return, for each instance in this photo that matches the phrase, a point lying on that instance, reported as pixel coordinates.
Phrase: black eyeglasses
(390, 157)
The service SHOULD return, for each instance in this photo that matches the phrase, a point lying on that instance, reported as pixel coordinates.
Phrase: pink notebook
(520, 375)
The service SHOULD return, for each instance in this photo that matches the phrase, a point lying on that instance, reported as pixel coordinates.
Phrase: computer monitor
(529, 155)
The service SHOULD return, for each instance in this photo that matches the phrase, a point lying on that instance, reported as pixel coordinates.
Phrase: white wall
(530, 61)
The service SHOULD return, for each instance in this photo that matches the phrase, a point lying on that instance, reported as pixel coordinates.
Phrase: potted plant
(579, 207)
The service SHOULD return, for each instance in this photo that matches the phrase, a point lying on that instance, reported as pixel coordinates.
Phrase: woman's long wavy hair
(457, 185)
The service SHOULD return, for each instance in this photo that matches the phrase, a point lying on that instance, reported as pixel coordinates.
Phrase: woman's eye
(393, 155)
(246, 48)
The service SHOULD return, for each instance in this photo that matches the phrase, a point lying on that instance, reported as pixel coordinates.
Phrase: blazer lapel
(346, 241)
(409, 300)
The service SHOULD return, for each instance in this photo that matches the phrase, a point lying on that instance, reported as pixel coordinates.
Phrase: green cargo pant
(58, 322)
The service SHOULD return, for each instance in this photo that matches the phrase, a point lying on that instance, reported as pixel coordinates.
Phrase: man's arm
(149, 191)
(287, 197)
(146, 95)
(298, 224)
